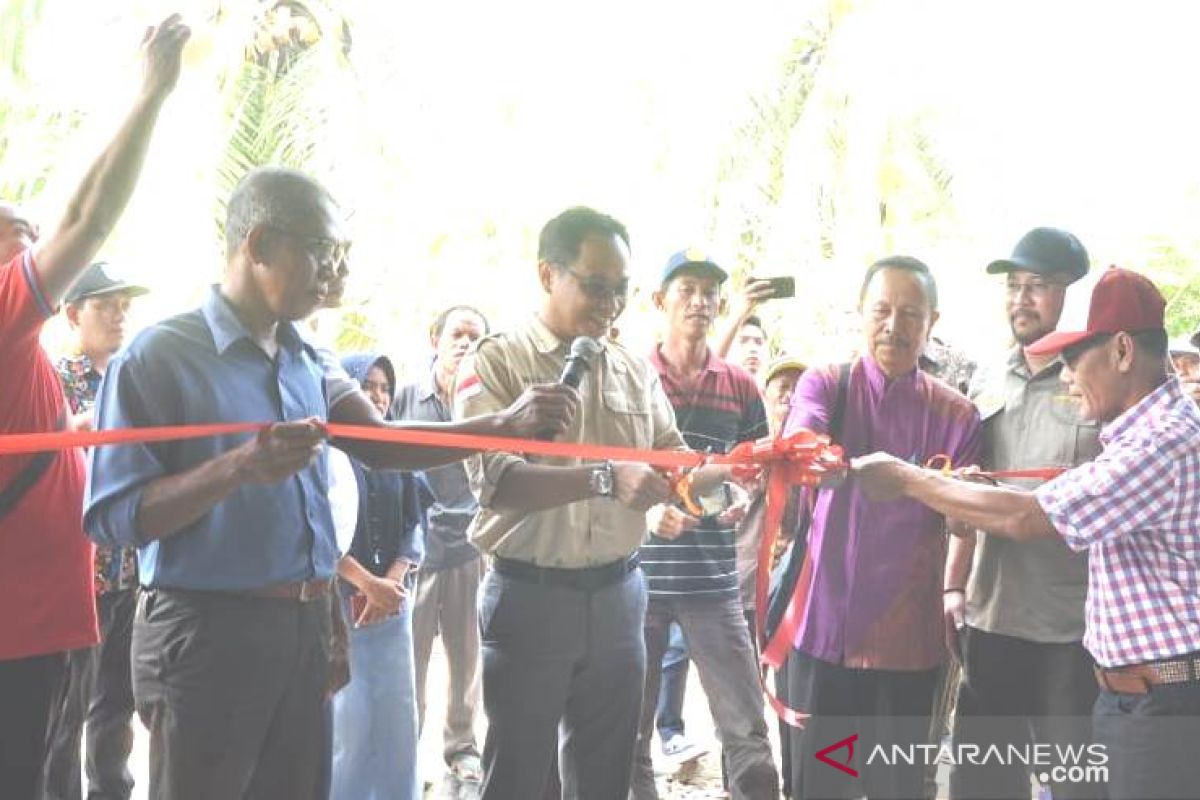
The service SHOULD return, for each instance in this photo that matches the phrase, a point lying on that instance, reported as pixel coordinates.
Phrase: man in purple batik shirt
(869, 646)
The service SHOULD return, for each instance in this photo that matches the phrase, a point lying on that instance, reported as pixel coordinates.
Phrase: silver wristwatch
(600, 480)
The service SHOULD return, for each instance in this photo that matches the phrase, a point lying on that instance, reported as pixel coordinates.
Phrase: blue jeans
(669, 715)
(375, 716)
(1151, 741)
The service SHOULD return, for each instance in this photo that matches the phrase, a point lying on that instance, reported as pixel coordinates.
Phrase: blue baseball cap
(693, 259)
(1046, 251)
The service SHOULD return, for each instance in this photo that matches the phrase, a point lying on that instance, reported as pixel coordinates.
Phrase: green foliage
(1172, 266)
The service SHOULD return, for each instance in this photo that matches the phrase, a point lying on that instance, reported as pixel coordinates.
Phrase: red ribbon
(802, 459)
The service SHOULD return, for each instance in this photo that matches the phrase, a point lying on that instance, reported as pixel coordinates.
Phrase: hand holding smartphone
(781, 288)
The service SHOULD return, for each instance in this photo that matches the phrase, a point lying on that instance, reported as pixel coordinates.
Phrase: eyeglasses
(329, 254)
(1035, 287)
(598, 289)
(1072, 354)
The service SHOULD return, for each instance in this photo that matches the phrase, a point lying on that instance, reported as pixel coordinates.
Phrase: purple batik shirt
(876, 597)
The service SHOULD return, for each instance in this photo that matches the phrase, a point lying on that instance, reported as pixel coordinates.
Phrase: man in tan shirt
(561, 612)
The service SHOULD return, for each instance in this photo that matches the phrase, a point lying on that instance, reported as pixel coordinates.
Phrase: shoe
(466, 768)
(680, 750)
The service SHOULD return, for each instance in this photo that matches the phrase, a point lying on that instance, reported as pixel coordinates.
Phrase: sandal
(467, 768)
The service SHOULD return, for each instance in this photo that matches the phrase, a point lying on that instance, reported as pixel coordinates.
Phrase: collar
(80, 362)
(1152, 405)
(427, 385)
(878, 381)
(543, 338)
(712, 362)
(1018, 366)
(227, 328)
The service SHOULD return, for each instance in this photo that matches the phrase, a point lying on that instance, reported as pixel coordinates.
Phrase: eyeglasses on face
(329, 253)
(1037, 287)
(598, 289)
(1072, 354)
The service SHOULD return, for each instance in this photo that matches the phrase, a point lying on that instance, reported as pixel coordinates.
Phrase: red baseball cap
(1121, 301)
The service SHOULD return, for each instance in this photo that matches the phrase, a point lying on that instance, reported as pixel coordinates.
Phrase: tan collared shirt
(1034, 589)
(622, 404)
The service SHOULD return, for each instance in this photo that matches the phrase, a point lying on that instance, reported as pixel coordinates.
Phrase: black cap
(1046, 251)
(96, 281)
(695, 259)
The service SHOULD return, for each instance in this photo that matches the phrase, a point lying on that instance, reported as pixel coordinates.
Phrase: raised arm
(741, 309)
(97, 204)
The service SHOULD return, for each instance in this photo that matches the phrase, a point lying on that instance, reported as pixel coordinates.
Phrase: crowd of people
(266, 603)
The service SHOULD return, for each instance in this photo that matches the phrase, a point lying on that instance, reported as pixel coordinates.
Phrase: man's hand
(882, 476)
(638, 485)
(281, 450)
(83, 421)
(162, 49)
(541, 409)
(385, 597)
(748, 299)
(954, 609)
(669, 522)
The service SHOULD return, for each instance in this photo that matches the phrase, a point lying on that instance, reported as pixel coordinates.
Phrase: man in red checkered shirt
(1136, 510)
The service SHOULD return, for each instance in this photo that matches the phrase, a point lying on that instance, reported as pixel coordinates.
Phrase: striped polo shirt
(723, 409)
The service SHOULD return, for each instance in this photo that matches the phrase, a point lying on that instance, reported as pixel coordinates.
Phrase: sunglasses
(1072, 354)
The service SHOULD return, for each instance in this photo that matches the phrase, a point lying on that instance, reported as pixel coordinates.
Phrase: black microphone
(583, 352)
(579, 361)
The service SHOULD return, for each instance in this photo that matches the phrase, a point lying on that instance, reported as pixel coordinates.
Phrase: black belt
(586, 579)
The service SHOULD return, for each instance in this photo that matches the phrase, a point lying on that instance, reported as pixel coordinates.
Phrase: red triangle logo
(844, 766)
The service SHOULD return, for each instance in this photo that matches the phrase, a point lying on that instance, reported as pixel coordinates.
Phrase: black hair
(276, 196)
(562, 236)
(1152, 342)
(439, 322)
(754, 320)
(915, 266)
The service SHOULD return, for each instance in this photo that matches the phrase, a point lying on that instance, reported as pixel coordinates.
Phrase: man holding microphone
(561, 613)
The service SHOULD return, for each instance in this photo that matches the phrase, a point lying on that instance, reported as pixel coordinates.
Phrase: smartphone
(780, 287)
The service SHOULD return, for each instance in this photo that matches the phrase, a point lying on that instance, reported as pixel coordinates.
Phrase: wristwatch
(600, 480)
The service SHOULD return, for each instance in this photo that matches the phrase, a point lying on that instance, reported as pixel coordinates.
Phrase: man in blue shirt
(235, 536)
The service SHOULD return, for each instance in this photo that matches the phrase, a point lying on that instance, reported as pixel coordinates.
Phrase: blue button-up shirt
(203, 367)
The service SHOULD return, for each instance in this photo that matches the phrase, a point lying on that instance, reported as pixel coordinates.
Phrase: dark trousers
(1022, 693)
(233, 691)
(98, 698)
(883, 708)
(30, 689)
(562, 668)
(1152, 741)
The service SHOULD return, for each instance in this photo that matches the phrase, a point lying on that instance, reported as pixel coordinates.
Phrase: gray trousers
(233, 691)
(562, 668)
(99, 693)
(720, 647)
(445, 605)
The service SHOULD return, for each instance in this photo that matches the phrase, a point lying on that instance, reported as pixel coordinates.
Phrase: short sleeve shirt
(45, 560)
(1034, 589)
(116, 568)
(1136, 510)
(622, 404)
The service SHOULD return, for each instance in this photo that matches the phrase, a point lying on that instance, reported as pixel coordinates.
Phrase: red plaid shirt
(1137, 509)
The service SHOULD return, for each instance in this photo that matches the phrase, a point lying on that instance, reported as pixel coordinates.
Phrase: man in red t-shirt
(47, 603)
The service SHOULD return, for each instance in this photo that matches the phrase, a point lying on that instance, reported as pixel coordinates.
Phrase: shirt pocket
(627, 413)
